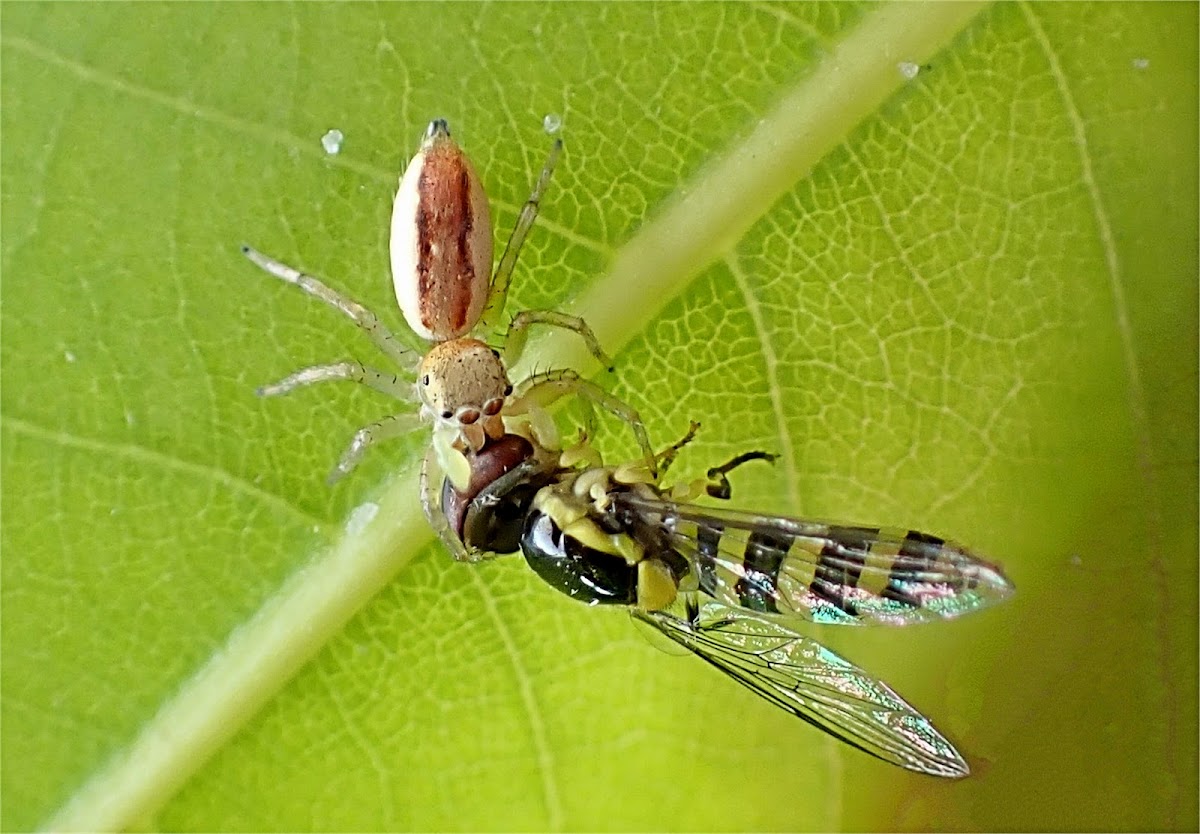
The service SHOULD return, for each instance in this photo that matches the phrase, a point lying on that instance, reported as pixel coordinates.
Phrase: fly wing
(826, 573)
(813, 683)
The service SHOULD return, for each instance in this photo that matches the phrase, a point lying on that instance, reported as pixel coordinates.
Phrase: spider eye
(495, 353)
(425, 379)
(507, 390)
(446, 415)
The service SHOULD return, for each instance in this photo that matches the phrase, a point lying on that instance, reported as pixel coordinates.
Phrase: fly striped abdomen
(764, 556)
(822, 572)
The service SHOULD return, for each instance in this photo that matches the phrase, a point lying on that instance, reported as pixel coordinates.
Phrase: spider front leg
(385, 429)
(431, 503)
(388, 384)
(540, 390)
(517, 334)
(375, 329)
(498, 293)
(447, 446)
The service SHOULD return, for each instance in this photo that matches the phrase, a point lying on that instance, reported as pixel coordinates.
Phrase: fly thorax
(462, 384)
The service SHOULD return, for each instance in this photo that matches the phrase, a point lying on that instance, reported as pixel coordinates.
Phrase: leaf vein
(545, 757)
(1136, 394)
(771, 363)
(151, 457)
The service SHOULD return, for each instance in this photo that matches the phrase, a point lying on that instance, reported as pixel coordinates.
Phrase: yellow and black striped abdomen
(826, 573)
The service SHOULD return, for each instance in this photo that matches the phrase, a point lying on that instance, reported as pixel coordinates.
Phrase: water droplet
(908, 69)
(552, 123)
(332, 141)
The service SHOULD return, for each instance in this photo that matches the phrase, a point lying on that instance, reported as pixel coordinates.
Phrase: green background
(974, 313)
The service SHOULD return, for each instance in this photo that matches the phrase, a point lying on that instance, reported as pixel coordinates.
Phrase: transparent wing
(826, 573)
(811, 682)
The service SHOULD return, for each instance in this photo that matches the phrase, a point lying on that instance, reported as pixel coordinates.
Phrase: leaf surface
(964, 301)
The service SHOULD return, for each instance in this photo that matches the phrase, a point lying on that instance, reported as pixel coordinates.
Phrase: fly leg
(717, 483)
(540, 390)
(667, 456)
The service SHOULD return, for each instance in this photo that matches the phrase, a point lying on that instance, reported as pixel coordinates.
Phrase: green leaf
(964, 301)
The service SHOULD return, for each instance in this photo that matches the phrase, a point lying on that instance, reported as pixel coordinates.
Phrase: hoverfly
(441, 255)
(730, 586)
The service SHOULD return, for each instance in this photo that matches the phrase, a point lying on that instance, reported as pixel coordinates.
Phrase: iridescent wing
(826, 573)
(803, 677)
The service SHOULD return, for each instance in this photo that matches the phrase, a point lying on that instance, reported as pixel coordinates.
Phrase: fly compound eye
(468, 416)
(492, 407)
